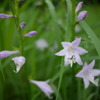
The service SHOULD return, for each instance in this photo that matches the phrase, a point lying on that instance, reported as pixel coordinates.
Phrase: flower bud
(6, 16)
(5, 53)
(30, 34)
(82, 15)
(23, 24)
(79, 6)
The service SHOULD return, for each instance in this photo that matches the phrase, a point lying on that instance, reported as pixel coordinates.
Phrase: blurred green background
(44, 65)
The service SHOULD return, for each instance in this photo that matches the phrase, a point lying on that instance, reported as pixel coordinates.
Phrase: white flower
(72, 52)
(44, 86)
(41, 44)
(88, 74)
(19, 62)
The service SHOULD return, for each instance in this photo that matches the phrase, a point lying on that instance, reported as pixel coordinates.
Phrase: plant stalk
(18, 26)
(72, 39)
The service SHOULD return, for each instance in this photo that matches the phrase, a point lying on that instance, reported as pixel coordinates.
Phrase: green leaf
(92, 35)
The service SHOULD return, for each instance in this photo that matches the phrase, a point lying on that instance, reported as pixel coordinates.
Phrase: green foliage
(49, 19)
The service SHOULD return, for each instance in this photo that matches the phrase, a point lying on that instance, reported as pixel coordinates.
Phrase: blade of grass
(57, 32)
(69, 20)
(92, 35)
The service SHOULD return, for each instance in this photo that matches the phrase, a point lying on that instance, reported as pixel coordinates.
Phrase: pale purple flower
(79, 6)
(6, 16)
(89, 74)
(23, 24)
(19, 62)
(4, 54)
(82, 15)
(30, 34)
(44, 86)
(41, 44)
(72, 52)
(77, 28)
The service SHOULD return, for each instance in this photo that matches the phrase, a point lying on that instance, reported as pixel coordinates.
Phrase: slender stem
(60, 78)
(73, 20)
(73, 83)
(18, 26)
(2, 70)
(72, 38)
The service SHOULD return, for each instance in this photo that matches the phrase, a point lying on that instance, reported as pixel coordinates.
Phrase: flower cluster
(83, 14)
(72, 52)
(20, 60)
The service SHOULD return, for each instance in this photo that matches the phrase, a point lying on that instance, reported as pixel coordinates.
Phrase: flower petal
(44, 86)
(78, 59)
(61, 53)
(86, 82)
(91, 65)
(80, 50)
(85, 65)
(95, 72)
(76, 42)
(19, 62)
(65, 44)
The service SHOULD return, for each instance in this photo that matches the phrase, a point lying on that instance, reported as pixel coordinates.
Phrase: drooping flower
(4, 54)
(41, 44)
(89, 74)
(78, 7)
(44, 86)
(23, 24)
(30, 34)
(82, 15)
(6, 16)
(72, 52)
(19, 62)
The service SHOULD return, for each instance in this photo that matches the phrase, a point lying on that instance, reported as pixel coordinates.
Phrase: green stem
(2, 70)
(18, 26)
(60, 78)
(73, 20)
(73, 83)
(72, 38)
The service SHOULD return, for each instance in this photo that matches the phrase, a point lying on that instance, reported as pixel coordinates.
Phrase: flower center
(72, 60)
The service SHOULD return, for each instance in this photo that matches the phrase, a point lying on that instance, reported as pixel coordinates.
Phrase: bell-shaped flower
(41, 44)
(82, 15)
(4, 54)
(72, 52)
(6, 16)
(23, 24)
(89, 74)
(19, 62)
(44, 86)
(78, 7)
(30, 34)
